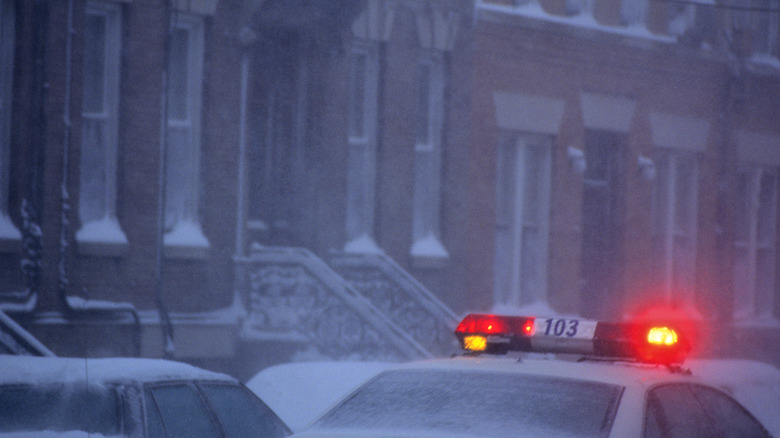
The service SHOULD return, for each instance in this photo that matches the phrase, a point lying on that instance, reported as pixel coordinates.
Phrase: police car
(45, 397)
(553, 377)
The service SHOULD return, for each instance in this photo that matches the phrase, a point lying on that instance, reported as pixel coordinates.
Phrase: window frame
(183, 236)
(666, 229)
(749, 302)
(10, 236)
(100, 232)
(427, 247)
(362, 146)
(513, 218)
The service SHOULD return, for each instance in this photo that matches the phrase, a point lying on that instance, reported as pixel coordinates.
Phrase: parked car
(542, 377)
(136, 398)
(300, 392)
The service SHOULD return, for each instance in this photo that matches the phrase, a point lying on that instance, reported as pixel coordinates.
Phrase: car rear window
(482, 403)
(60, 407)
(241, 414)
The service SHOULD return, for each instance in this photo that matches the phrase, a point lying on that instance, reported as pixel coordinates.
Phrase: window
(427, 160)
(673, 411)
(682, 17)
(759, 18)
(7, 229)
(178, 410)
(241, 414)
(361, 162)
(633, 12)
(765, 25)
(61, 407)
(675, 223)
(99, 121)
(686, 410)
(579, 7)
(522, 219)
(185, 77)
(756, 219)
(602, 221)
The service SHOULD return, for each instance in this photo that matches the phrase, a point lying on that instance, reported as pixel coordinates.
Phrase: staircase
(352, 307)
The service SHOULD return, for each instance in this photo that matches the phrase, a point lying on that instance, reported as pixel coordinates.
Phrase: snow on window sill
(429, 253)
(186, 241)
(585, 21)
(102, 237)
(765, 61)
(10, 237)
(363, 245)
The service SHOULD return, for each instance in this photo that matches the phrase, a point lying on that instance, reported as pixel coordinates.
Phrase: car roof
(611, 372)
(29, 369)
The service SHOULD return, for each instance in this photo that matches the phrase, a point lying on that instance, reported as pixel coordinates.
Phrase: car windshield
(93, 408)
(482, 403)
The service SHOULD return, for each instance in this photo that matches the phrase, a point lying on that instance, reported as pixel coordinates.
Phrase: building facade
(633, 161)
(162, 163)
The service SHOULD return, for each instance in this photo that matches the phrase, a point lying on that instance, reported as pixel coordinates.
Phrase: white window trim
(669, 230)
(103, 236)
(427, 248)
(184, 238)
(513, 297)
(361, 161)
(745, 299)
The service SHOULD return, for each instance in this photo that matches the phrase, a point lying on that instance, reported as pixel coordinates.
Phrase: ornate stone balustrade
(401, 297)
(292, 295)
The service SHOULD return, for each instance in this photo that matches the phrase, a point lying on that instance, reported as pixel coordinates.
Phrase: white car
(300, 392)
(136, 398)
(605, 380)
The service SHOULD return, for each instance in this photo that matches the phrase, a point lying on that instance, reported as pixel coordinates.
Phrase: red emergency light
(652, 343)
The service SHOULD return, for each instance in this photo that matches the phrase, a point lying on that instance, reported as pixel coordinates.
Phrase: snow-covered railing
(401, 297)
(291, 295)
(16, 340)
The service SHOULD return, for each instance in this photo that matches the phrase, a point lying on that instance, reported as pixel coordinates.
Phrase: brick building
(583, 157)
(149, 149)
(633, 161)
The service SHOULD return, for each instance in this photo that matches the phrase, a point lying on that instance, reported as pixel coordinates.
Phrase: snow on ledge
(186, 233)
(429, 246)
(106, 230)
(78, 303)
(7, 228)
(363, 245)
(186, 241)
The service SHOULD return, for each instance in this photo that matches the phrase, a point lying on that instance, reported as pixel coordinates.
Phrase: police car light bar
(644, 342)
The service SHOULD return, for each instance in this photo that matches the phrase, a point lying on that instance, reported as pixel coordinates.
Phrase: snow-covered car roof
(634, 376)
(30, 369)
(612, 372)
(300, 392)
